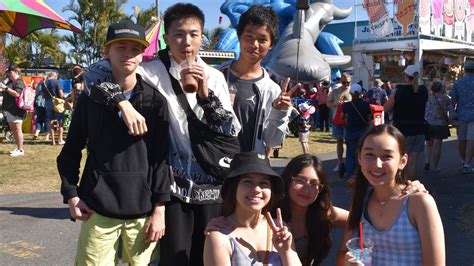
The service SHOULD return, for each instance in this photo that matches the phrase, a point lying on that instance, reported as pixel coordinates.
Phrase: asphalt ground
(35, 228)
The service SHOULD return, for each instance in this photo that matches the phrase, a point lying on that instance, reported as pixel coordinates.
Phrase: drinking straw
(361, 241)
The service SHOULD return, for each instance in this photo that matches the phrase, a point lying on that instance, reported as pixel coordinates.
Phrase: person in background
(52, 88)
(250, 191)
(76, 83)
(408, 103)
(439, 113)
(125, 182)
(406, 228)
(377, 95)
(336, 98)
(323, 109)
(40, 111)
(462, 95)
(304, 124)
(357, 114)
(13, 114)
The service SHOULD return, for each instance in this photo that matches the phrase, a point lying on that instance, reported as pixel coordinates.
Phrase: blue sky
(211, 8)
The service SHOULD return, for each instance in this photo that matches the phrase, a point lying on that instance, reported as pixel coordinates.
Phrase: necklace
(383, 203)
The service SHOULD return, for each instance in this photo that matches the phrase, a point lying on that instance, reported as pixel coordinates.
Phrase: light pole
(158, 9)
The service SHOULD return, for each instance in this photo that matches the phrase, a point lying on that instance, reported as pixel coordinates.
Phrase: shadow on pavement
(41, 213)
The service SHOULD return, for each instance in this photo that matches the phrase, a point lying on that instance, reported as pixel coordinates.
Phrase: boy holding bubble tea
(405, 229)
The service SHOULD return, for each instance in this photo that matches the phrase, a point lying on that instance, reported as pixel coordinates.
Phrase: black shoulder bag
(212, 150)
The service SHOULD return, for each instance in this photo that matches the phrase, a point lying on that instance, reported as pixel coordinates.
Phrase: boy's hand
(283, 101)
(155, 225)
(79, 209)
(134, 121)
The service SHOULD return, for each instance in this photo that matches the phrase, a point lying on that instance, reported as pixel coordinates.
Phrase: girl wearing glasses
(308, 210)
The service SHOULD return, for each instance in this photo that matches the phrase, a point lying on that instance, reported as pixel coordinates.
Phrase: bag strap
(267, 249)
(47, 89)
(165, 58)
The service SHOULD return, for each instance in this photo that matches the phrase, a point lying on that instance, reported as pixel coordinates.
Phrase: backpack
(26, 101)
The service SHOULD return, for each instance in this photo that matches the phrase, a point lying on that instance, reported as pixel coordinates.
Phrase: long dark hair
(230, 201)
(360, 183)
(320, 213)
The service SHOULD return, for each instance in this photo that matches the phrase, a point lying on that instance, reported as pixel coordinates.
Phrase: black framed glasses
(298, 183)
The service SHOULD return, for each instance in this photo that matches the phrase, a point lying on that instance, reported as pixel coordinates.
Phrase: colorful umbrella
(21, 17)
(154, 35)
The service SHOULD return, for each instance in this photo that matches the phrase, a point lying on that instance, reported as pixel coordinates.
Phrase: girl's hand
(217, 224)
(282, 238)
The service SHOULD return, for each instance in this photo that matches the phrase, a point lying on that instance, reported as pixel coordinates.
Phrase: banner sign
(448, 18)
(379, 19)
(364, 32)
(425, 19)
(460, 7)
(405, 14)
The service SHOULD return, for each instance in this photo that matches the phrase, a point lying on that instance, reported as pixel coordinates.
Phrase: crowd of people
(144, 179)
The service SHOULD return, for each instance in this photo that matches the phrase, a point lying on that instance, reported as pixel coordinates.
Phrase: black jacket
(124, 175)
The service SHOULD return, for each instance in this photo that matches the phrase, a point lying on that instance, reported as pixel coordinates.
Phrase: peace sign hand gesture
(282, 238)
(283, 101)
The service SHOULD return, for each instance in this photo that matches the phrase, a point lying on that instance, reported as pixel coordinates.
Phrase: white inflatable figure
(312, 65)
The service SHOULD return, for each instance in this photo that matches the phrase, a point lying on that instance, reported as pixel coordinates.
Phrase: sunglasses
(346, 82)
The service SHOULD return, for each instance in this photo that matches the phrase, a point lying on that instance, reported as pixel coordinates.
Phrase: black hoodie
(124, 175)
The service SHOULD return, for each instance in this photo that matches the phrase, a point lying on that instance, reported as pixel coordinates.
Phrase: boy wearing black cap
(195, 193)
(125, 182)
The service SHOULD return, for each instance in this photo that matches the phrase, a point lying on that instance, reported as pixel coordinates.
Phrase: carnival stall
(436, 35)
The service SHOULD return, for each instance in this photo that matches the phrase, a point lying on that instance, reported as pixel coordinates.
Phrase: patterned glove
(107, 93)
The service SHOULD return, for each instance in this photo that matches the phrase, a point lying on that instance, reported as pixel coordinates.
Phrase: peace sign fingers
(283, 101)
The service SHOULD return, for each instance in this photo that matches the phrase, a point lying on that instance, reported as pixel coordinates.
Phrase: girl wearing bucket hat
(249, 192)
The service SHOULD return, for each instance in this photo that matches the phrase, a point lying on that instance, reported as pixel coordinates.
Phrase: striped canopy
(154, 35)
(21, 17)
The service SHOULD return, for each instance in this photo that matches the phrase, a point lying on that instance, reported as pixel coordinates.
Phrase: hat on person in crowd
(469, 65)
(412, 71)
(126, 31)
(252, 162)
(77, 71)
(378, 82)
(356, 88)
(12, 67)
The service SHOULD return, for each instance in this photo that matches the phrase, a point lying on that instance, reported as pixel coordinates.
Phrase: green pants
(98, 241)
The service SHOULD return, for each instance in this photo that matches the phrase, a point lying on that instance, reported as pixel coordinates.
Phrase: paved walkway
(35, 228)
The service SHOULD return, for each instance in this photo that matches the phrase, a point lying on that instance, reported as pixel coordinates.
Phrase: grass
(36, 171)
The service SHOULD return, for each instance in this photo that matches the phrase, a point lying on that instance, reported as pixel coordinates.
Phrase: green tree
(144, 17)
(46, 44)
(94, 17)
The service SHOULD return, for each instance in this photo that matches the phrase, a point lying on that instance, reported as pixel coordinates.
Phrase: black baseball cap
(126, 31)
